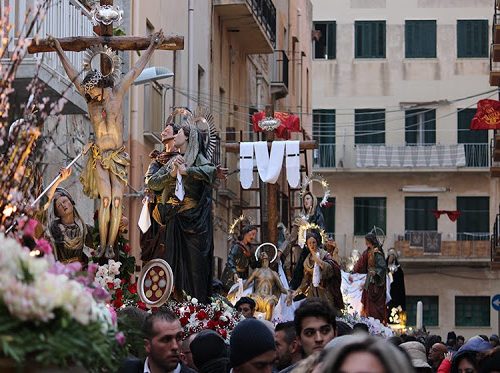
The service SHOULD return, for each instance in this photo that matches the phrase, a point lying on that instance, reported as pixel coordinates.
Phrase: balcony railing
(279, 73)
(432, 244)
(63, 19)
(265, 12)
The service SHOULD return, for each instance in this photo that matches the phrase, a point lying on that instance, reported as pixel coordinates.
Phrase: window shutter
(331, 40)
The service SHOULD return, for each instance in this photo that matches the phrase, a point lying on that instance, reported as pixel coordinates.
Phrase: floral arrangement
(375, 327)
(54, 314)
(195, 316)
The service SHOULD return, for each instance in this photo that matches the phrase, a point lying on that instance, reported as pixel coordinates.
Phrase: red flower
(123, 281)
(110, 285)
(191, 309)
(117, 303)
(119, 294)
(222, 332)
(141, 305)
(211, 324)
(132, 288)
(217, 315)
(201, 315)
(184, 321)
(127, 248)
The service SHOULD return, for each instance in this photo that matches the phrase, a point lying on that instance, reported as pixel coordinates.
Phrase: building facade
(395, 85)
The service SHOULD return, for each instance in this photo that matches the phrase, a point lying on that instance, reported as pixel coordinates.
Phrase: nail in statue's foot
(110, 253)
(99, 252)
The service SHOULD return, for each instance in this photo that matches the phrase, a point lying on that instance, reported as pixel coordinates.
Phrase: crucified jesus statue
(105, 175)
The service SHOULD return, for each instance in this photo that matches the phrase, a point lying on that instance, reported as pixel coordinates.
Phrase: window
(369, 212)
(420, 126)
(474, 221)
(430, 310)
(369, 126)
(476, 142)
(324, 133)
(369, 39)
(472, 311)
(420, 39)
(472, 38)
(325, 36)
(418, 213)
(328, 214)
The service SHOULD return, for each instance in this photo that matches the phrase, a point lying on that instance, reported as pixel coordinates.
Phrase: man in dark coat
(162, 339)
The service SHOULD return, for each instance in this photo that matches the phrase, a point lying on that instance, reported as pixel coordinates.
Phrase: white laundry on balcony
(410, 156)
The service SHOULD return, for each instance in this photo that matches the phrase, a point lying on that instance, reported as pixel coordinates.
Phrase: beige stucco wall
(347, 83)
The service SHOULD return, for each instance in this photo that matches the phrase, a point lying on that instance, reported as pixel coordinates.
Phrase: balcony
(76, 23)
(495, 244)
(429, 248)
(279, 74)
(252, 21)
(402, 157)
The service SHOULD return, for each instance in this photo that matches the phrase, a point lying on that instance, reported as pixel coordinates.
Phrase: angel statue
(267, 287)
(186, 182)
(105, 175)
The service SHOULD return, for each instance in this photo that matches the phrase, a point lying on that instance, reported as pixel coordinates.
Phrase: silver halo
(96, 51)
(106, 15)
(267, 244)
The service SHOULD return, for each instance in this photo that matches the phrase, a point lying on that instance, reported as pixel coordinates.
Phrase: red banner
(452, 215)
(289, 123)
(487, 115)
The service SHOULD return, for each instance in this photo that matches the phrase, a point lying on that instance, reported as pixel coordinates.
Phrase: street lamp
(150, 75)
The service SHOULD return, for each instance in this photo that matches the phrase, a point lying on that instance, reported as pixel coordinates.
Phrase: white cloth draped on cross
(269, 164)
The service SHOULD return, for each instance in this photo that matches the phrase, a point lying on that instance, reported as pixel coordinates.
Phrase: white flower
(194, 301)
(223, 318)
(116, 283)
(114, 267)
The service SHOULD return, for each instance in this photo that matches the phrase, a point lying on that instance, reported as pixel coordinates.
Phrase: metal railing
(64, 19)
(265, 12)
(280, 68)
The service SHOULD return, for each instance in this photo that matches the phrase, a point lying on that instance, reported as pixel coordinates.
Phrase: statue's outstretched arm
(128, 79)
(71, 71)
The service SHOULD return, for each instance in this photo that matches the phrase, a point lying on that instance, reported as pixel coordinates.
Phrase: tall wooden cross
(105, 37)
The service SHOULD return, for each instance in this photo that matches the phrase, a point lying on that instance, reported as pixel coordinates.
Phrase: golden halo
(308, 180)
(234, 227)
(267, 244)
(301, 240)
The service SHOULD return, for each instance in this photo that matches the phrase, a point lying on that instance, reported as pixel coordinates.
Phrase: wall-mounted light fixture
(423, 189)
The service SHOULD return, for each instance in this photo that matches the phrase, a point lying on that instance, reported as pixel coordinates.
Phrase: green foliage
(61, 342)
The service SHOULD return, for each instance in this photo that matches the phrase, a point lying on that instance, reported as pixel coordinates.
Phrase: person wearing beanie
(246, 306)
(416, 352)
(252, 348)
(210, 354)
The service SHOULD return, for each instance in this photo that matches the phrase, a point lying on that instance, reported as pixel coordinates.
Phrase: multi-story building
(395, 85)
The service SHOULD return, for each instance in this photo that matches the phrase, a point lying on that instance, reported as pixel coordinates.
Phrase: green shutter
(369, 39)
(420, 39)
(332, 40)
(369, 212)
(472, 311)
(418, 214)
(324, 133)
(472, 38)
(476, 142)
(474, 218)
(369, 126)
(430, 310)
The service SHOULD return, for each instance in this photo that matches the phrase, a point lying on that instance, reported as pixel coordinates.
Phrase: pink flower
(29, 227)
(120, 338)
(44, 246)
(92, 268)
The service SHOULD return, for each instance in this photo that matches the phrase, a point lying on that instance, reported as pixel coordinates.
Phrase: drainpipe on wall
(190, 76)
(259, 90)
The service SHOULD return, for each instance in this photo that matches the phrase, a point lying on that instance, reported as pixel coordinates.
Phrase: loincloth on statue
(114, 160)
(262, 301)
(186, 204)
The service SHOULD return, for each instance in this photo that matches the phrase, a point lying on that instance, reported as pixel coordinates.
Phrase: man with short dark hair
(315, 325)
(252, 348)
(162, 339)
(246, 306)
(287, 347)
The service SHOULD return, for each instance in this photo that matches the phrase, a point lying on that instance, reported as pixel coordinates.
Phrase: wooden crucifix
(105, 175)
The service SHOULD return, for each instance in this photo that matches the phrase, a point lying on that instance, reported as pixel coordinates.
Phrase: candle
(420, 314)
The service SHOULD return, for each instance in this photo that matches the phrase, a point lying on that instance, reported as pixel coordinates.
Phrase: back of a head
(288, 329)
(389, 356)
(314, 307)
(209, 352)
(490, 362)
(249, 339)
(417, 354)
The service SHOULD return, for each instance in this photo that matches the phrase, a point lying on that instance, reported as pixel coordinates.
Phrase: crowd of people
(315, 341)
